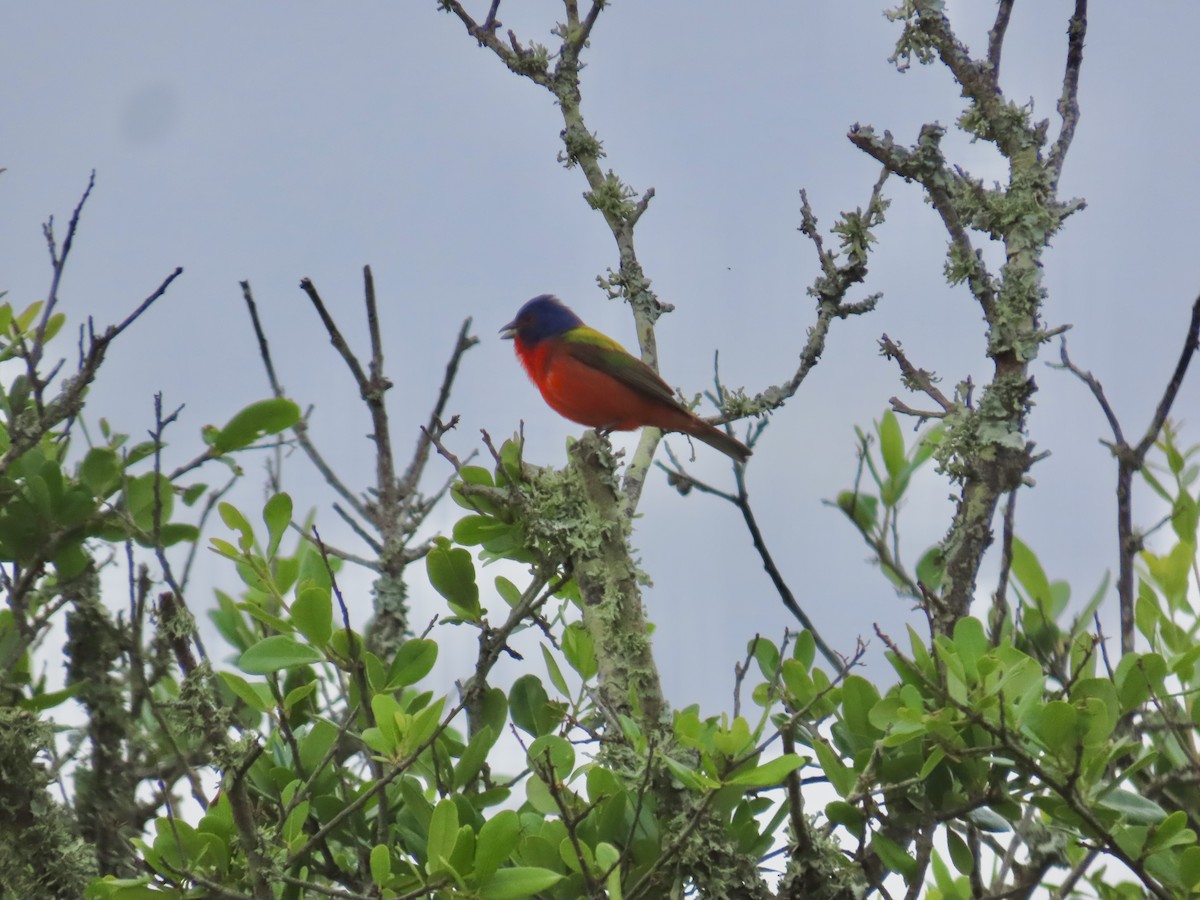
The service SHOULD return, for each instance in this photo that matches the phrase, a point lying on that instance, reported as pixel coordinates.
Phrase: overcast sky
(272, 142)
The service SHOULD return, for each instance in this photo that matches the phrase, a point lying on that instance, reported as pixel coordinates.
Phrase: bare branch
(683, 482)
(914, 378)
(1068, 103)
(1000, 597)
(1096, 388)
(59, 262)
(830, 289)
(1130, 460)
(300, 429)
(385, 465)
(996, 37)
(412, 475)
(927, 166)
(1190, 345)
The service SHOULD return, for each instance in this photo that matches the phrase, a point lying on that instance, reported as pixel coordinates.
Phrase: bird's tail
(715, 437)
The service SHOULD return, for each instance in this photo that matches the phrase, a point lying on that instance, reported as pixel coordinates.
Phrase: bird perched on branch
(589, 378)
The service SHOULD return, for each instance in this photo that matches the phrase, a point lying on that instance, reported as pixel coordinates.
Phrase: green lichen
(612, 197)
(1002, 121)
(579, 145)
(388, 627)
(533, 63)
(913, 42)
(559, 520)
(41, 855)
(824, 873)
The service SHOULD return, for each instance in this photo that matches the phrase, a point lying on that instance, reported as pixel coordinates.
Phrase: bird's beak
(509, 331)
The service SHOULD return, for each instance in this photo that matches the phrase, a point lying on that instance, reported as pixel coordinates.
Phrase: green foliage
(890, 466)
(1001, 753)
(1027, 716)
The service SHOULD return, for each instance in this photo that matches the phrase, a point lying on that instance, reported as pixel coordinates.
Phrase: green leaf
(473, 530)
(69, 560)
(894, 857)
(850, 817)
(53, 324)
(960, 853)
(510, 460)
(555, 752)
(443, 834)
(508, 591)
(518, 883)
(689, 777)
(277, 652)
(233, 518)
(496, 842)
(1189, 867)
(1184, 517)
(527, 702)
(580, 650)
(766, 654)
(100, 471)
(141, 495)
(473, 757)
(1171, 572)
(381, 864)
(1134, 808)
(295, 695)
(841, 776)
(452, 574)
(1029, 572)
(315, 746)
(424, 724)
(553, 671)
(931, 568)
(140, 451)
(43, 700)
(413, 661)
(476, 475)
(859, 696)
(1171, 832)
(770, 773)
(608, 859)
(293, 825)
(863, 509)
(26, 317)
(173, 533)
(988, 820)
(278, 515)
(255, 695)
(1055, 724)
(312, 613)
(891, 444)
(193, 493)
(256, 421)
(805, 650)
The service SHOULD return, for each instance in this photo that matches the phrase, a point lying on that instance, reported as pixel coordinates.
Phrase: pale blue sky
(271, 142)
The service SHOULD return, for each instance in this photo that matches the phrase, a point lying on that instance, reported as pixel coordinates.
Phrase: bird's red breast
(587, 395)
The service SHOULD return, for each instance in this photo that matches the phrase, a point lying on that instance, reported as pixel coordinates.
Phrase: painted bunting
(589, 378)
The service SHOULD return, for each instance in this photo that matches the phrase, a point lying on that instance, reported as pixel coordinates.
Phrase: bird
(589, 378)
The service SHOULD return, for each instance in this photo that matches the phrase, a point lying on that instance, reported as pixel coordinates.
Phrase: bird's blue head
(543, 317)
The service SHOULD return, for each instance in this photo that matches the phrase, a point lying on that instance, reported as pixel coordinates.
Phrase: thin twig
(1000, 597)
(464, 342)
(1068, 103)
(1131, 460)
(996, 37)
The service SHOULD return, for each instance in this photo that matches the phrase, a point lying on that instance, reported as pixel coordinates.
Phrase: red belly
(590, 397)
